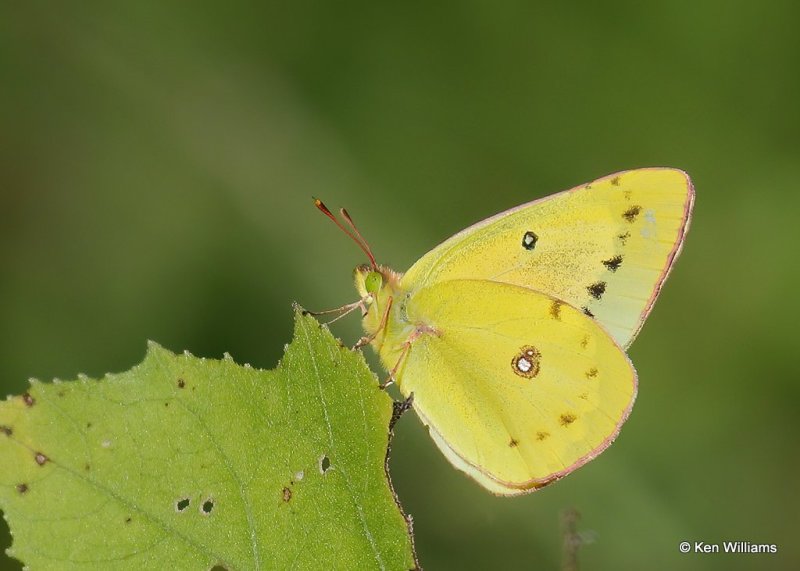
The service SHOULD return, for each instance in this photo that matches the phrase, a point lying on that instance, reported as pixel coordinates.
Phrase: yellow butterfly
(511, 334)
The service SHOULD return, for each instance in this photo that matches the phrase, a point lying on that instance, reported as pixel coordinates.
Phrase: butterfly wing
(605, 247)
(517, 388)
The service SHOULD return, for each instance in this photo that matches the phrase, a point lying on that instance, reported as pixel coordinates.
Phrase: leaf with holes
(189, 463)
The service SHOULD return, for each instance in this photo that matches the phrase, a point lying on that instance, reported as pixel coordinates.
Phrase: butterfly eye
(373, 282)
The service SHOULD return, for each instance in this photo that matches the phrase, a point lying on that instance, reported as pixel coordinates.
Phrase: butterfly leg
(406, 346)
(367, 339)
(426, 329)
(342, 311)
(390, 379)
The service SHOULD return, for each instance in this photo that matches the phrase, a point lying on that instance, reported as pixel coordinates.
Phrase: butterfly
(511, 334)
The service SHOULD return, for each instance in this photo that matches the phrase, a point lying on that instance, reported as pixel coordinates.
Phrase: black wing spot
(631, 213)
(555, 310)
(587, 311)
(529, 240)
(207, 506)
(596, 290)
(513, 443)
(566, 419)
(182, 504)
(614, 263)
(623, 238)
(527, 362)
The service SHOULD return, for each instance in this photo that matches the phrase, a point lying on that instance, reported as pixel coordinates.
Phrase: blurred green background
(157, 162)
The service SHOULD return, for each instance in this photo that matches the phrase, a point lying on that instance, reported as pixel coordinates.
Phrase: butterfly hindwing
(605, 247)
(517, 391)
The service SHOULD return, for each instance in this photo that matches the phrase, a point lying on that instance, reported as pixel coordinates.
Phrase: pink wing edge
(673, 255)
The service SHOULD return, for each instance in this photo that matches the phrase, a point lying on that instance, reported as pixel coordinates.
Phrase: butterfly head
(378, 286)
(374, 283)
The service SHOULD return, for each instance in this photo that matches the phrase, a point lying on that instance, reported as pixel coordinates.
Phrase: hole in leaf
(287, 494)
(41, 459)
(207, 506)
(181, 505)
(22, 488)
(28, 399)
(324, 464)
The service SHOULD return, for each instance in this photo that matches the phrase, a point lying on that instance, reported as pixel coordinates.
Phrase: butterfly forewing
(604, 248)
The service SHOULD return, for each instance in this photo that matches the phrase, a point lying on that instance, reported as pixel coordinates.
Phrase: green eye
(373, 282)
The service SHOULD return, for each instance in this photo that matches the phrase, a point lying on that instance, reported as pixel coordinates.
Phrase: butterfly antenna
(358, 240)
(367, 249)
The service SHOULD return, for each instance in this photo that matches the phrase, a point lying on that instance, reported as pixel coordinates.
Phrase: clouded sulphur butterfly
(511, 334)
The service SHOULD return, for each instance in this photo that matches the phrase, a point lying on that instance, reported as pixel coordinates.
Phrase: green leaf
(190, 463)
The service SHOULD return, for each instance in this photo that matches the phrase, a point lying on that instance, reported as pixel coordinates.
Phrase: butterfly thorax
(377, 286)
